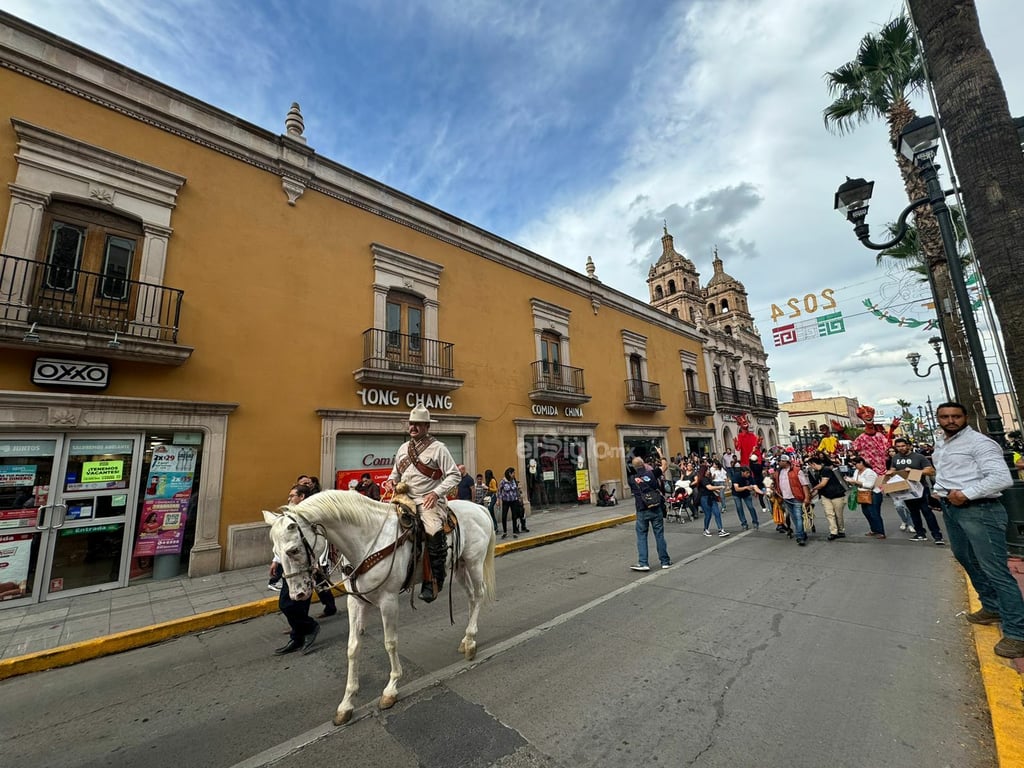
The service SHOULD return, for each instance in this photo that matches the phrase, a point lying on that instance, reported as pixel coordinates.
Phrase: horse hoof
(462, 647)
(471, 654)
(340, 718)
(387, 702)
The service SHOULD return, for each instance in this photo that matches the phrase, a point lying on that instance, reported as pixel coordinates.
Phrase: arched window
(671, 287)
(658, 293)
(693, 315)
(725, 306)
(711, 310)
(728, 330)
(675, 313)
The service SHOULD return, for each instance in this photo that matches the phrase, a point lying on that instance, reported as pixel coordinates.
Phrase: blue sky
(576, 128)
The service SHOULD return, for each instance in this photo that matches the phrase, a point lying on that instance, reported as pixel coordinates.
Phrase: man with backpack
(646, 484)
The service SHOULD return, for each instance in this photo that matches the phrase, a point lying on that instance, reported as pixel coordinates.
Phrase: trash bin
(166, 566)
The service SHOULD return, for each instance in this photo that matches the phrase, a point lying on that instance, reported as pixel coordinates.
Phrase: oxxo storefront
(99, 492)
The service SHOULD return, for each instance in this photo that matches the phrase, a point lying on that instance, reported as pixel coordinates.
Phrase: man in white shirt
(970, 476)
(430, 471)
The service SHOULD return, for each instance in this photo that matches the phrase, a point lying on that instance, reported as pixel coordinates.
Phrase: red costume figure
(873, 444)
(747, 444)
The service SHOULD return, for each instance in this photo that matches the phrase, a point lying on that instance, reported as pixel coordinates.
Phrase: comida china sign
(85, 374)
(571, 411)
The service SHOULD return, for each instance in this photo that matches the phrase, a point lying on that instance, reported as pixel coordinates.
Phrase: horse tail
(490, 587)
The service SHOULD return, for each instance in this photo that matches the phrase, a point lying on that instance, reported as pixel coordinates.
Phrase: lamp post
(914, 358)
(931, 415)
(919, 143)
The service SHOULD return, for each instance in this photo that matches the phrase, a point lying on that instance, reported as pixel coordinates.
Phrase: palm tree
(983, 140)
(878, 83)
(908, 250)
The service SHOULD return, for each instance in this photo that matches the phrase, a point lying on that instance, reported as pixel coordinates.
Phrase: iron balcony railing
(555, 377)
(767, 403)
(64, 297)
(407, 353)
(697, 400)
(642, 392)
(731, 396)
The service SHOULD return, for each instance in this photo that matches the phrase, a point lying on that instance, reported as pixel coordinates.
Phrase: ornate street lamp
(919, 144)
(914, 358)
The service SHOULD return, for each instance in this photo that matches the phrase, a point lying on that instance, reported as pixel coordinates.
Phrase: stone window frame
(634, 343)
(400, 271)
(555, 319)
(52, 164)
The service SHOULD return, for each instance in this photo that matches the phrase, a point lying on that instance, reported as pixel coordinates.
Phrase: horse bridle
(312, 561)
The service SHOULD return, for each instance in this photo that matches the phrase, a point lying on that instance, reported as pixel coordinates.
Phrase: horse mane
(346, 506)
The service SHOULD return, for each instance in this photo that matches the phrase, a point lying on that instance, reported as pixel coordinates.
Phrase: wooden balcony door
(89, 258)
(404, 331)
(551, 363)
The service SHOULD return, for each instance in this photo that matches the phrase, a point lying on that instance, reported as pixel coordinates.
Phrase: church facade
(733, 353)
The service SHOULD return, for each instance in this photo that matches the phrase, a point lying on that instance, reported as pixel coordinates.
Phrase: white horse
(361, 528)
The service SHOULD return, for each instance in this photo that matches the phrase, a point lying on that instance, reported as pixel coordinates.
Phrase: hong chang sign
(85, 374)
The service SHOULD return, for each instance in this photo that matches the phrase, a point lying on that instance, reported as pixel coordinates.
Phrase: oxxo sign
(54, 372)
(573, 412)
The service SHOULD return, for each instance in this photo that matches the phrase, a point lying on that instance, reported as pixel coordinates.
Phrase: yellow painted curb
(73, 653)
(1003, 689)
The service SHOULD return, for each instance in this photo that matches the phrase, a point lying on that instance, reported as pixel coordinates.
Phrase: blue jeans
(651, 518)
(873, 513)
(977, 536)
(795, 508)
(711, 507)
(749, 502)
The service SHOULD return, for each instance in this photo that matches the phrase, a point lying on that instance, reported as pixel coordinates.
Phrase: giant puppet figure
(748, 445)
(829, 443)
(873, 444)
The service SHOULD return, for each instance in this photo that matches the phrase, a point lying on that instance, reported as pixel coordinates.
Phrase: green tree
(975, 116)
(878, 83)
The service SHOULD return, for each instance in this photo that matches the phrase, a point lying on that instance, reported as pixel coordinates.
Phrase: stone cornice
(59, 63)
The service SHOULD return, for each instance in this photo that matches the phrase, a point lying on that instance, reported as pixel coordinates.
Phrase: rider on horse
(424, 463)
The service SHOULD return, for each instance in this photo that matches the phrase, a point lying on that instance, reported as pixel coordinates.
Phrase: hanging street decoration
(824, 325)
(911, 322)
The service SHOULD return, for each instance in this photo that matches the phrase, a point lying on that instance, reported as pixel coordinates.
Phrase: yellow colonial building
(195, 310)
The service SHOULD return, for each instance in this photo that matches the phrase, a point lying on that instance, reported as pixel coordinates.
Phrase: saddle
(410, 521)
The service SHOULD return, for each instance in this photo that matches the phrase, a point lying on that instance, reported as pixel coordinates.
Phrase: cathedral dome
(721, 279)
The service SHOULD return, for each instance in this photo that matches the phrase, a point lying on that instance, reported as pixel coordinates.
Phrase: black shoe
(840, 535)
(833, 536)
(427, 592)
(524, 530)
(802, 541)
(307, 643)
(291, 647)
(327, 612)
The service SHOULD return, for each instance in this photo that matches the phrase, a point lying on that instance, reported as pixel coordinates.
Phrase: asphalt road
(750, 651)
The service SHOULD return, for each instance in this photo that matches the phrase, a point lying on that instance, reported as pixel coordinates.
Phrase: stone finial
(294, 125)
(591, 269)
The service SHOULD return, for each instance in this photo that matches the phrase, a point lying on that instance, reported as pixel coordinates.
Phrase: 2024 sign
(810, 305)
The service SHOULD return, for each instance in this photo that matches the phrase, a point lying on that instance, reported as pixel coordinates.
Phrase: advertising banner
(24, 474)
(165, 507)
(15, 551)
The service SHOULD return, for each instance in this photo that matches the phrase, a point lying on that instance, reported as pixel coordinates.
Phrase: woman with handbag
(869, 497)
(511, 501)
(711, 499)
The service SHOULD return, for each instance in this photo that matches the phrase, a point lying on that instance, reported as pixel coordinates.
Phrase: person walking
(710, 499)
(465, 489)
(865, 478)
(646, 484)
(510, 495)
(743, 491)
(970, 476)
(904, 458)
(492, 495)
(793, 487)
(303, 629)
(832, 493)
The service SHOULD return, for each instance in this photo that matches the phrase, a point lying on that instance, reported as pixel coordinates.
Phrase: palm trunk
(983, 140)
(961, 371)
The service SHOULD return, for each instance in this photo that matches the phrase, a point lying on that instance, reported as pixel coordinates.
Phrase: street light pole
(918, 142)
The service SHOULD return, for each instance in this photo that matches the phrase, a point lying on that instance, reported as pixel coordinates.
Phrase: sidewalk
(66, 631)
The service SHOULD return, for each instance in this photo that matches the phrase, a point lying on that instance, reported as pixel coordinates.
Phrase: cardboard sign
(900, 482)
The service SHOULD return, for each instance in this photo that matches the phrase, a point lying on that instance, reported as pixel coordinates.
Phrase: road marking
(484, 654)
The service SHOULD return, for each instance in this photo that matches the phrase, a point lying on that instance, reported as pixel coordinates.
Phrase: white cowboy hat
(420, 415)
